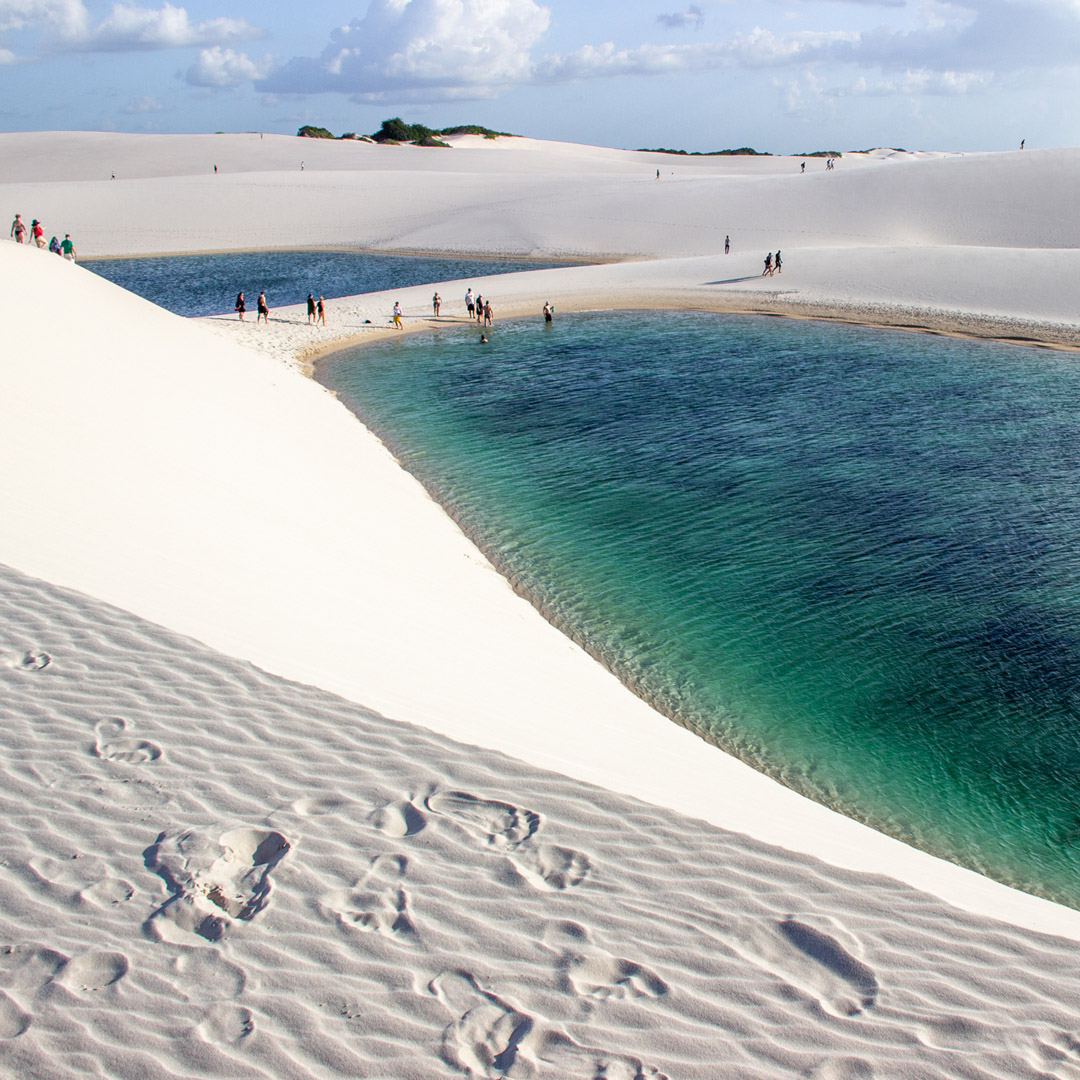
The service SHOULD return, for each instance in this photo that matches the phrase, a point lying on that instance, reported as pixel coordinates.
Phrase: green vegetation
(396, 130)
(821, 153)
(309, 132)
(894, 149)
(742, 151)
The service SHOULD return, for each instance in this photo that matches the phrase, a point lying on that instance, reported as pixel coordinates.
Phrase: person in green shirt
(67, 248)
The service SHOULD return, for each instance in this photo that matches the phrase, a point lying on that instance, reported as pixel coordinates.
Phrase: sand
(298, 786)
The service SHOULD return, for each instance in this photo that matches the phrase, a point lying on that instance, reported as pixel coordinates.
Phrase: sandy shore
(297, 786)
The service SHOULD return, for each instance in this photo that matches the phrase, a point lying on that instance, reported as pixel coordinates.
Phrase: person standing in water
(549, 311)
(470, 304)
(479, 308)
(240, 307)
(487, 312)
(263, 310)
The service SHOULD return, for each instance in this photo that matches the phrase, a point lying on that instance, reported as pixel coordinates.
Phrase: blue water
(208, 284)
(848, 556)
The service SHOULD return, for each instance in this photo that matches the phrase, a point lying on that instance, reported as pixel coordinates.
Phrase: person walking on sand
(397, 314)
(802, 167)
(240, 306)
(727, 245)
(320, 307)
(37, 233)
(549, 311)
(18, 230)
(263, 310)
(67, 248)
(487, 312)
(310, 308)
(1022, 141)
(767, 272)
(470, 304)
(436, 303)
(777, 264)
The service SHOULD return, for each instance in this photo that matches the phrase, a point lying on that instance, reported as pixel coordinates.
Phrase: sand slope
(209, 871)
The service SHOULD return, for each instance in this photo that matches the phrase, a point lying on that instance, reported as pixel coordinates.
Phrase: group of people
(479, 307)
(316, 312)
(36, 235)
(773, 264)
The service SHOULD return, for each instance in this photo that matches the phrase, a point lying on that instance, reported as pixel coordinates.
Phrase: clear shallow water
(848, 556)
(208, 284)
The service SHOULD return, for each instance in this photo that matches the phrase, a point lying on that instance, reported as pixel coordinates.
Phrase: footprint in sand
(27, 660)
(25, 969)
(376, 902)
(821, 963)
(113, 745)
(510, 830)
(213, 881)
(93, 971)
(588, 971)
(575, 1059)
(203, 974)
(850, 1068)
(398, 819)
(320, 805)
(226, 1024)
(488, 1036)
(495, 824)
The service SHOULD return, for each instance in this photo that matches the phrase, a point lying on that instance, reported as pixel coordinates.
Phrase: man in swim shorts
(264, 311)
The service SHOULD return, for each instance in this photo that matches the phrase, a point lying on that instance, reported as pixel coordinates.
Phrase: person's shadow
(734, 280)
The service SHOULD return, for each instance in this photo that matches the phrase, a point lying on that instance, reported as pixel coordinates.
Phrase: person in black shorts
(310, 308)
(264, 311)
(241, 307)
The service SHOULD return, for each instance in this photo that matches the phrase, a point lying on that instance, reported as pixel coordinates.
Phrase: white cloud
(146, 104)
(67, 26)
(218, 67)
(692, 16)
(431, 48)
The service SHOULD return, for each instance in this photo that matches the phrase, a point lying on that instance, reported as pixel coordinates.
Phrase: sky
(783, 76)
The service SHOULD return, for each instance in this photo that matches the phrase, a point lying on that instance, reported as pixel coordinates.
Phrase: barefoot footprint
(511, 830)
(376, 902)
(488, 1036)
(113, 745)
(591, 972)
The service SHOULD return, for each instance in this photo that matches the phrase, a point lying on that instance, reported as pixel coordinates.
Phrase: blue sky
(787, 76)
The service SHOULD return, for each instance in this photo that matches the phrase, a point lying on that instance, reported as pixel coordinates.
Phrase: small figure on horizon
(67, 248)
(487, 312)
(321, 308)
(263, 310)
(657, 174)
(18, 230)
(397, 314)
(114, 176)
(54, 246)
(470, 305)
(436, 303)
(1022, 141)
(549, 311)
(37, 233)
(301, 166)
(777, 264)
(240, 306)
(215, 168)
(727, 245)
(767, 272)
(802, 167)
(310, 308)
(828, 164)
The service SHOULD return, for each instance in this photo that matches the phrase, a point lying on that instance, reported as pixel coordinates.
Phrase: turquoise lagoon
(847, 556)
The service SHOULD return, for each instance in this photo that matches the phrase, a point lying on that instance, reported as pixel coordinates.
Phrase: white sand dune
(211, 871)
